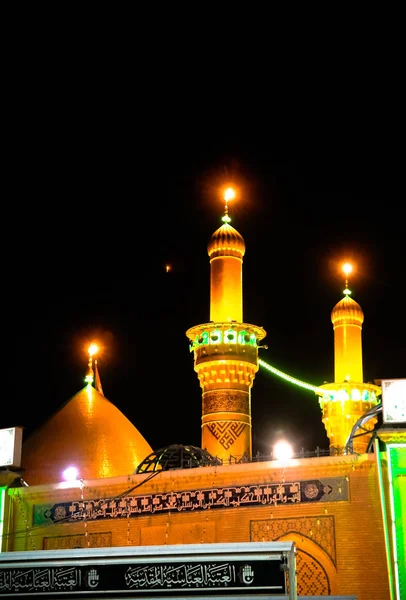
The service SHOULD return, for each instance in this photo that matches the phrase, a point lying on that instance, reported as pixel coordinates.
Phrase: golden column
(346, 400)
(226, 350)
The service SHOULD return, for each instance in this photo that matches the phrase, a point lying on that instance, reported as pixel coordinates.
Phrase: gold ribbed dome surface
(87, 432)
(347, 311)
(226, 241)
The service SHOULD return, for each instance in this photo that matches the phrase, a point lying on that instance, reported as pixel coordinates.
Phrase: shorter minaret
(226, 350)
(348, 398)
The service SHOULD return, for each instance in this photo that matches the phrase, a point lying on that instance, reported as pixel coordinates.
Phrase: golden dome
(347, 311)
(226, 241)
(89, 433)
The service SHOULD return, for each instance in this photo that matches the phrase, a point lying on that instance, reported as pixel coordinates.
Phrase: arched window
(230, 336)
(253, 339)
(243, 337)
(204, 338)
(216, 336)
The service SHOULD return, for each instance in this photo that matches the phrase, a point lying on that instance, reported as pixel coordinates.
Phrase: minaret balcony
(229, 341)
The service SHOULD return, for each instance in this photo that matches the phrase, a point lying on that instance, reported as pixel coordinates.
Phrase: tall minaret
(348, 398)
(226, 350)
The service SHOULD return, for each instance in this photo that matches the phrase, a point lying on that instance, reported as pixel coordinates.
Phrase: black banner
(271, 494)
(187, 577)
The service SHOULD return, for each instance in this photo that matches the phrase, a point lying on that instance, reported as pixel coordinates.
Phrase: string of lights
(286, 377)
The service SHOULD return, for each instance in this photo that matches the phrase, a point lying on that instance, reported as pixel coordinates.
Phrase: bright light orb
(229, 194)
(282, 450)
(93, 349)
(70, 474)
(347, 268)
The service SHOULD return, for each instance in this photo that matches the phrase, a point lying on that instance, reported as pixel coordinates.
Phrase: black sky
(106, 192)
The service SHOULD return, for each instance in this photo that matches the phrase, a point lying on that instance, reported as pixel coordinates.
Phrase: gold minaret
(226, 350)
(348, 398)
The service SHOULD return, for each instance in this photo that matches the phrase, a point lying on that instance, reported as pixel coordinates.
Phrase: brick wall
(340, 543)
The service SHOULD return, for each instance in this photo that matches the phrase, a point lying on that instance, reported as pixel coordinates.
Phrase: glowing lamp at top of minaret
(229, 194)
(93, 349)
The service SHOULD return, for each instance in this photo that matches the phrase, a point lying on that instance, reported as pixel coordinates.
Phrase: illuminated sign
(10, 447)
(136, 572)
(394, 401)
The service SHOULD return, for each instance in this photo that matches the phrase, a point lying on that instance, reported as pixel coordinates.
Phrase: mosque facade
(127, 496)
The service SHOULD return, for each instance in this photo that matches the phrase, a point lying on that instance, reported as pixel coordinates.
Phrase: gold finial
(347, 268)
(229, 194)
(92, 350)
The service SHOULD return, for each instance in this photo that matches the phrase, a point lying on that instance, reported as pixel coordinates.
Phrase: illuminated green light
(2, 503)
(306, 386)
(226, 219)
(243, 337)
(340, 395)
(89, 378)
(397, 497)
(229, 336)
(384, 518)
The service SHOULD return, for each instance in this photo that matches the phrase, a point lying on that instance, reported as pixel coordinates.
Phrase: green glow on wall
(397, 497)
(384, 519)
(2, 502)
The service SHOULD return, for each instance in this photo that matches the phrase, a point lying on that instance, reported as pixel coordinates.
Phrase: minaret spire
(226, 350)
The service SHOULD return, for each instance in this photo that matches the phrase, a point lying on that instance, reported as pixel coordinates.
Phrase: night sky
(103, 202)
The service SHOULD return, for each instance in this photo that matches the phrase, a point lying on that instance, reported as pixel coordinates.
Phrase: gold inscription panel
(226, 401)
